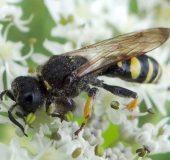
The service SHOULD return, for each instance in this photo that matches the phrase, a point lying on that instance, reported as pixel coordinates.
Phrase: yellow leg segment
(132, 105)
(87, 113)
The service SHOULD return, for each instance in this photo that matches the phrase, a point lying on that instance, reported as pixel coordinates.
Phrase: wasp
(65, 76)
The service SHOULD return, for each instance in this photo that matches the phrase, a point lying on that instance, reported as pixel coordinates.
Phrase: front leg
(8, 93)
(28, 119)
(59, 106)
(14, 120)
(87, 108)
(20, 115)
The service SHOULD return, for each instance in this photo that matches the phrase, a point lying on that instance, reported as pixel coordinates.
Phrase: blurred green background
(40, 28)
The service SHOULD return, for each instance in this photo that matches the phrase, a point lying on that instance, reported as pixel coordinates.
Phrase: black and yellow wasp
(65, 76)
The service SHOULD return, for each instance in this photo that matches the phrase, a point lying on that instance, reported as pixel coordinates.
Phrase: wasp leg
(14, 120)
(57, 115)
(59, 106)
(50, 109)
(87, 108)
(132, 105)
(20, 115)
(119, 91)
(123, 92)
(8, 93)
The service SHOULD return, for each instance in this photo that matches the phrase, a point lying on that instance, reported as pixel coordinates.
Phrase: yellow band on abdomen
(157, 78)
(150, 71)
(135, 67)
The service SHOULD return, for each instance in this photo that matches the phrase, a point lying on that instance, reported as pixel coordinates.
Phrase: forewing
(108, 52)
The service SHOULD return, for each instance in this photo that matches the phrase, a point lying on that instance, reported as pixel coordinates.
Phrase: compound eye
(28, 97)
(25, 99)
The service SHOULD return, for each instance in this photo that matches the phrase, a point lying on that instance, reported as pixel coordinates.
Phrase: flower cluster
(115, 131)
(10, 52)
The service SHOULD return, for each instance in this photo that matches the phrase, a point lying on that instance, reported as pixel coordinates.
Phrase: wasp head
(27, 93)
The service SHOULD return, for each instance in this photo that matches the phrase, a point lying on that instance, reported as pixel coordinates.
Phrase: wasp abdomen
(141, 69)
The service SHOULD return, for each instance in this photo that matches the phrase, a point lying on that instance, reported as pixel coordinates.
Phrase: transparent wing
(110, 51)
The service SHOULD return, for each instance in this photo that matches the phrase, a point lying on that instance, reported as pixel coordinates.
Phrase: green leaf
(133, 7)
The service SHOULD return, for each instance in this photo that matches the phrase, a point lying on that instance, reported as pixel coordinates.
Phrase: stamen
(7, 30)
(143, 151)
(99, 150)
(114, 105)
(55, 136)
(31, 70)
(151, 111)
(68, 116)
(30, 118)
(32, 41)
(76, 152)
(26, 56)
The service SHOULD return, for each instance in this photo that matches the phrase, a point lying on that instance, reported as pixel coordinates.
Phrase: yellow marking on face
(150, 71)
(119, 64)
(158, 75)
(47, 85)
(135, 68)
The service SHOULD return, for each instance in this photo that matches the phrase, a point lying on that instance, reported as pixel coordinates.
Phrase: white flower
(57, 48)
(82, 26)
(109, 155)
(13, 14)
(54, 47)
(11, 52)
(123, 152)
(14, 151)
(94, 136)
(63, 145)
(128, 130)
(155, 137)
(98, 122)
(9, 1)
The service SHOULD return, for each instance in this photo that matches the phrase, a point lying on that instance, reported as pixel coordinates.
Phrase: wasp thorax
(68, 80)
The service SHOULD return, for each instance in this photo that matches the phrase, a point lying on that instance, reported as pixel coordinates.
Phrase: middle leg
(87, 108)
